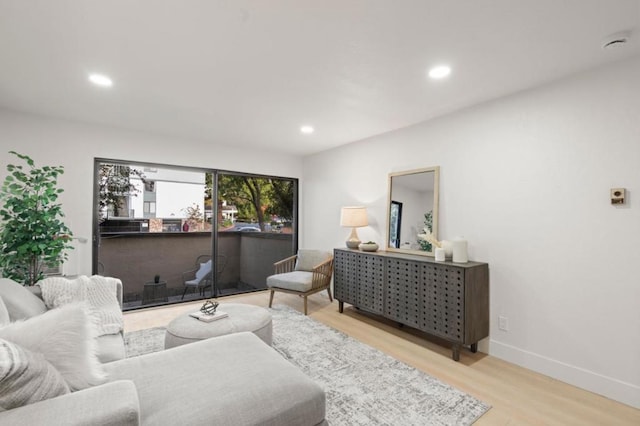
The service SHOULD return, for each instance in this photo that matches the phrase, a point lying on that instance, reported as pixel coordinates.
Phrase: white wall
(74, 146)
(526, 180)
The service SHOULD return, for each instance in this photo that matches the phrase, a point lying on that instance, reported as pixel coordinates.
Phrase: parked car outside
(249, 229)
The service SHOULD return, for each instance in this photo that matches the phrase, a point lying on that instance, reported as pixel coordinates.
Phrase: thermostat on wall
(617, 195)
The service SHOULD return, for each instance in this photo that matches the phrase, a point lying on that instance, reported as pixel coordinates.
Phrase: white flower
(428, 236)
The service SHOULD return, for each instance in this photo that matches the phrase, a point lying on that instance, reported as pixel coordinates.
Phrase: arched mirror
(413, 206)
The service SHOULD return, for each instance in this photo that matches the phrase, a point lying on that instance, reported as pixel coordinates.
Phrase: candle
(460, 251)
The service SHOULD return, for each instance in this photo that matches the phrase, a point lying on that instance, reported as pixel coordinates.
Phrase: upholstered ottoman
(186, 329)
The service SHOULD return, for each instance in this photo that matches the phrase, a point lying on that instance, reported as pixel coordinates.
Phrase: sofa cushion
(110, 347)
(297, 280)
(309, 259)
(66, 338)
(20, 302)
(228, 380)
(26, 377)
(4, 314)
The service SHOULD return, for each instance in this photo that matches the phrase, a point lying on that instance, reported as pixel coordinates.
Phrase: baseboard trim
(626, 393)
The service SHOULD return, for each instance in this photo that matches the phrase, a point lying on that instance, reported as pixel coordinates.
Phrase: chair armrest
(285, 265)
(322, 274)
(112, 404)
(189, 275)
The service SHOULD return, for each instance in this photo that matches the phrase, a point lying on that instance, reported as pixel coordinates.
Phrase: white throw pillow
(26, 377)
(204, 269)
(20, 302)
(67, 338)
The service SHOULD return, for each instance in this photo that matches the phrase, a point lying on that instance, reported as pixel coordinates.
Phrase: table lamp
(354, 217)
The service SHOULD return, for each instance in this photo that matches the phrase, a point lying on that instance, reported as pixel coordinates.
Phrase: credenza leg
(340, 306)
(455, 355)
(474, 347)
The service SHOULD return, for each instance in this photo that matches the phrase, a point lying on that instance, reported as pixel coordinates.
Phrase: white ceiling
(250, 73)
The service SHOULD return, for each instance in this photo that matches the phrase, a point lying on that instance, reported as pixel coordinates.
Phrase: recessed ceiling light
(100, 80)
(441, 71)
(307, 130)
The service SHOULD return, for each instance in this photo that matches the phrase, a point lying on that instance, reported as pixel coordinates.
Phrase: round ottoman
(186, 329)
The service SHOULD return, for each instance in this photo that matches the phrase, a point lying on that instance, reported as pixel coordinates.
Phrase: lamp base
(353, 244)
(353, 241)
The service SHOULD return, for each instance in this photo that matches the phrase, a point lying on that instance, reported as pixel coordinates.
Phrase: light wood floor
(518, 396)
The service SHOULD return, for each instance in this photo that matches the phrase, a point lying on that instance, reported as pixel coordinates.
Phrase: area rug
(363, 385)
(142, 342)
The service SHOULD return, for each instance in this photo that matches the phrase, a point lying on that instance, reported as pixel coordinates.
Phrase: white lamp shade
(354, 217)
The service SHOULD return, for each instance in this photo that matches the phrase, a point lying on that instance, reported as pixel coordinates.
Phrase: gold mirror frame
(407, 205)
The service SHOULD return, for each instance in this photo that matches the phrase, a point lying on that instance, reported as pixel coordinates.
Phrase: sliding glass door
(175, 234)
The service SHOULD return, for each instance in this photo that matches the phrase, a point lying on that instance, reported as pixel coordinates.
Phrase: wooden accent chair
(304, 274)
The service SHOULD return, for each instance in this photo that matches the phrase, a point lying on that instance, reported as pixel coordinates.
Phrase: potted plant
(32, 234)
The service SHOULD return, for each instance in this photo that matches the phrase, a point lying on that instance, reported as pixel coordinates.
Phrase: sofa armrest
(119, 292)
(111, 404)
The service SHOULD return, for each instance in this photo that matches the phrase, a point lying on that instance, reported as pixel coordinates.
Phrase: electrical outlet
(503, 323)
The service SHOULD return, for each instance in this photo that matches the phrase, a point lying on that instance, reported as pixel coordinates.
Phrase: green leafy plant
(32, 234)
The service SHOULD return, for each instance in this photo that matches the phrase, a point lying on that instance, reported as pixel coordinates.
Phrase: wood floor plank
(518, 396)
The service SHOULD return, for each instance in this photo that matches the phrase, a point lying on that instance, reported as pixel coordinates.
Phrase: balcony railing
(137, 257)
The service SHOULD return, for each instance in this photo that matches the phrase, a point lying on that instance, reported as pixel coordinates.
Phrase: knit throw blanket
(100, 293)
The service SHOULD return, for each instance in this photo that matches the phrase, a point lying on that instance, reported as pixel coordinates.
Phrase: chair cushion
(205, 268)
(19, 301)
(26, 377)
(309, 259)
(297, 280)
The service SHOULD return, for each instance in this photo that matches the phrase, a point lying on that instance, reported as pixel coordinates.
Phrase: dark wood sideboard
(444, 299)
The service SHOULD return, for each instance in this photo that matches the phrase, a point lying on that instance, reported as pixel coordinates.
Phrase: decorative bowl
(369, 246)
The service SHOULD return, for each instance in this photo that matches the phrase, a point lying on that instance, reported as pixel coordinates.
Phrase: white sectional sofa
(229, 380)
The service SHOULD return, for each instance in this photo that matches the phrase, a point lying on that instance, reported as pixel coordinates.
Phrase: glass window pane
(152, 235)
(255, 228)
